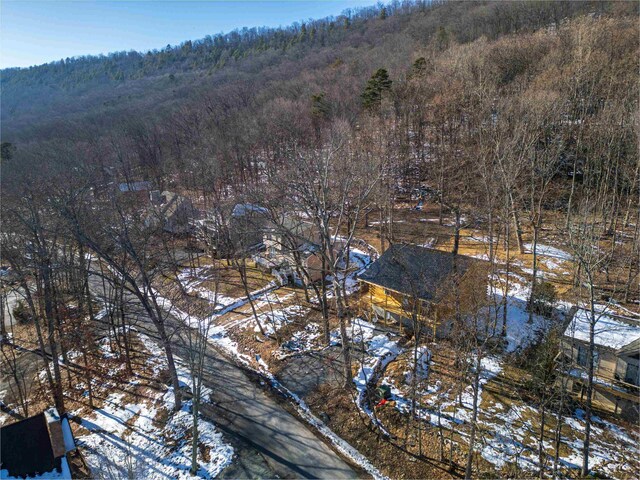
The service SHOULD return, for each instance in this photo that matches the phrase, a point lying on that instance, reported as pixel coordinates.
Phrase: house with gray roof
(410, 284)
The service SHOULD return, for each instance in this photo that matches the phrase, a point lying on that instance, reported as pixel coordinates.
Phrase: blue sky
(36, 32)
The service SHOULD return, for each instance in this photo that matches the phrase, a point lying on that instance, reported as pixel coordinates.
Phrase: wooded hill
(248, 70)
(517, 121)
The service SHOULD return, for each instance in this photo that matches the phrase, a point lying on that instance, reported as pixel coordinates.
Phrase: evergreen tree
(419, 67)
(377, 84)
(8, 150)
(442, 38)
(319, 106)
(303, 33)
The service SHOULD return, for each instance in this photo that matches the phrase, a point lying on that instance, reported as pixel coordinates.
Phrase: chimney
(55, 432)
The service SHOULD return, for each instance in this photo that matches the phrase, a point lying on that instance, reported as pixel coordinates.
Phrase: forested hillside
(333, 55)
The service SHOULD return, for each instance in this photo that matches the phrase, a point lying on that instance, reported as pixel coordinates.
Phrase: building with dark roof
(291, 242)
(409, 283)
(36, 445)
(173, 212)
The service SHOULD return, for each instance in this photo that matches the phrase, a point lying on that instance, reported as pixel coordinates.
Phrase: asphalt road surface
(269, 441)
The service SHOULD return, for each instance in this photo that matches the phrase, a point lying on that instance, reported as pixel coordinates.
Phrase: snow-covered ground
(143, 438)
(275, 318)
(509, 432)
(520, 333)
(301, 341)
(218, 334)
(359, 260)
(549, 251)
(423, 360)
(380, 350)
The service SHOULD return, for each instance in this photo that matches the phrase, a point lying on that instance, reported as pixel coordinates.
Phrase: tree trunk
(195, 434)
(541, 451)
(456, 234)
(535, 271)
(474, 419)
(53, 346)
(516, 221)
(590, 374)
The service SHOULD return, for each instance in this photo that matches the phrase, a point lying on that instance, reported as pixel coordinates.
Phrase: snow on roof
(241, 209)
(610, 331)
(67, 435)
(134, 186)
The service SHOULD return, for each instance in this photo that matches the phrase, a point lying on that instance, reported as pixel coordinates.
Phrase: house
(175, 212)
(37, 445)
(230, 231)
(138, 186)
(107, 187)
(411, 282)
(138, 190)
(616, 360)
(246, 226)
(290, 244)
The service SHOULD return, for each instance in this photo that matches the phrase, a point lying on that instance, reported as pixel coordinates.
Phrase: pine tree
(419, 67)
(377, 84)
(319, 106)
(8, 150)
(442, 38)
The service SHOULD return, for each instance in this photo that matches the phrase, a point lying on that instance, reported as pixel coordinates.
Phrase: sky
(37, 32)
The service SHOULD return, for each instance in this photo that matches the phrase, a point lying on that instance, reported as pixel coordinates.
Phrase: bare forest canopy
(514, 121)
(252, 73)
(539, 99)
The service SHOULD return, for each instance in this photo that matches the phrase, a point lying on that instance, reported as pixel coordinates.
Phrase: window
(583, 351)
(582, 356)
(631, 375)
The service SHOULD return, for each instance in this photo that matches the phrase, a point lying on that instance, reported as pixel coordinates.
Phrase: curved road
(269, 441)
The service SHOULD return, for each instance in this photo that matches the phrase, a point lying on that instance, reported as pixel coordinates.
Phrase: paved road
(269, 440)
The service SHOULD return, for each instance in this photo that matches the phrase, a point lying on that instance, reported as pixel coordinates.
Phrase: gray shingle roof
(416, 271)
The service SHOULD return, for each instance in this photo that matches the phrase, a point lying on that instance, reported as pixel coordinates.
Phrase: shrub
(21, 313)
(543, 298)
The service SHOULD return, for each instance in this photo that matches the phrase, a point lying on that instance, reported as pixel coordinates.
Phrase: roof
(134, 186)
(415, 270)
(612, 331)
(26, 447)
(172, 201)
(294, 226)
(241, 209)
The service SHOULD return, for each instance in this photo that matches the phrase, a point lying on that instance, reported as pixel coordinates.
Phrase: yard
(293, 353)
(277, 331)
